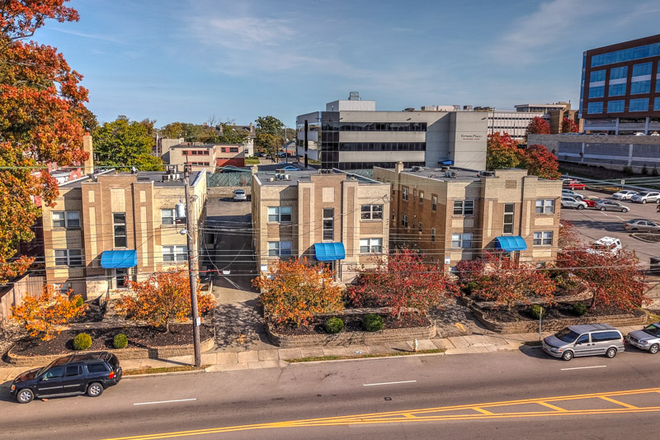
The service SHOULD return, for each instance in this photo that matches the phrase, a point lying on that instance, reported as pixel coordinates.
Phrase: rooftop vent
(417, 169)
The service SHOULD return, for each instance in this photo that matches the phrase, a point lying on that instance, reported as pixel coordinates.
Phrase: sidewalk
(277, 357)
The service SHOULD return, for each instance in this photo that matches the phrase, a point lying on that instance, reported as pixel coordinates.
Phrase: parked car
(584, 340)
(591, 201)
(572, 202)
(240, 195)
(574, 184)
(605, 245)
(288, 168)
(260, 154)
(646, 197)
(641, 225)
(571, 193)
(625, 194)
(611, 205)
(646, 339)
(88, 373)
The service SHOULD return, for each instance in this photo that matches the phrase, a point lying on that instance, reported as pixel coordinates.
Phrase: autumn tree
(292, 292)
(614, 279)
(569, 126)
(502, 152)
(508, 282)
(162, 299)
(268, 137)
(123, 143)
(42, 315)
(568, 235)
(538, 126)
(43, 112)
(402, 282)
(540, 162)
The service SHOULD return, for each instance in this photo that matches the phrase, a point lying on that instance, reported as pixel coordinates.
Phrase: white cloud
(91, 36)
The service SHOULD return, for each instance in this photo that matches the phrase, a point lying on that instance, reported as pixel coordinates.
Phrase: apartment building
(333, 218)
(456, 214)
(112, 227)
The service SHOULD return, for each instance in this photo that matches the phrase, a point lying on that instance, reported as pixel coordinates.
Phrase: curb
(169, 373)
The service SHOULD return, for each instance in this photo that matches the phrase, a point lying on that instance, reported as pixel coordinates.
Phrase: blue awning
(446, 162)
(118, 259)
(511, 243)
(329, 251)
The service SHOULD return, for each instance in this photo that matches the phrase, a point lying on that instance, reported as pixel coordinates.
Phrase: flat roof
(142, 176)
(305, 176)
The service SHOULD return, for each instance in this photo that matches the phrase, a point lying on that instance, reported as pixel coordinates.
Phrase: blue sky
(188, 60)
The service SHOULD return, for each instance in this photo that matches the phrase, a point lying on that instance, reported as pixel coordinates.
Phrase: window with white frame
(68, 257)
(119, 225)
(464, 207)
(461, 240)
(404, 193)
(421, 197)
(175, 253)
(404, 221)
(509, 209)
(545, 206)
(167, 216)
(543, 238)
(432, 234)
(371, 245)
(434, 203)
(279, 248)
(66, 219)
(371, 212)
(279, 214)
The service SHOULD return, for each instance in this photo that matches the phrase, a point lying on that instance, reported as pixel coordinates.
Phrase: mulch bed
(352, 323)
(559, 311)
(138, 337)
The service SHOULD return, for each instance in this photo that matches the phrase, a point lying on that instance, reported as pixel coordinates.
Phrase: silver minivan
(584, 340)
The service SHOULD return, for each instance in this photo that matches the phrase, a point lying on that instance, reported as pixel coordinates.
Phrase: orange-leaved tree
(41, 315)
(502, 152)
(538, 126)
(43, 119)
(293, 291)
(540, 162)
(162, 299)
(403, 282)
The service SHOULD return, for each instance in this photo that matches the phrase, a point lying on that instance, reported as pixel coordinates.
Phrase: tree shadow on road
(239, 325)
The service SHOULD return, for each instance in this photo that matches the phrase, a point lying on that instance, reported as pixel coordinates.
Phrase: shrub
(372, 322)
(645, 170)
(628, 171)
(120, 341)
(82, 341)
(334, 325)
(654, 171)
(538, 311)
(79, 301)
(579, 309)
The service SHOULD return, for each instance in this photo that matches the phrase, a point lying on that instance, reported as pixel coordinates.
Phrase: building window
(545, 206)
(464, 207)
(328, 223)
(420, 227)
(233, 149)
(616, 106)
(463, 241)
(371, 212)
(371, 245)
(639, 87)
(68, 257)
(597, 75)
(639, 105)
(619, 73)
(617, 89)
(596, 92)
(543, 238)
(167, 216)
(421, 197)
(119, 223)
(175, 253)
(432, 234)
(434, 203)
(279, 214)
(595, 108)
(642, 69)
(206, 153)
(66, 219)
(656, 102)
(404, 221)
(279, 248)
(509, 209)
(404, 193)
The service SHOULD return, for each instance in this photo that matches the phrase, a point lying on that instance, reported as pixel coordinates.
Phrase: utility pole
(192, 268)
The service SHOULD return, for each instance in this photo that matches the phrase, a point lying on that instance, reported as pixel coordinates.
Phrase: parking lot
(593, 224)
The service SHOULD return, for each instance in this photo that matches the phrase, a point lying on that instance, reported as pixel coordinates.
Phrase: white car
(606, 245)
(647, 197)
(626, 194)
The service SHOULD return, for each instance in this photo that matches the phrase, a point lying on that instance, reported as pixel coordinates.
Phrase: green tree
(502, 152)
(269, 135)
(123, 143)
(232, 136)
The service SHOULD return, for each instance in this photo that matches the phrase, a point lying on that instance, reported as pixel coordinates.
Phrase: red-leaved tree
(613, 279)
(538, 126)
(540, 162)
(569, 126)
(402, 282)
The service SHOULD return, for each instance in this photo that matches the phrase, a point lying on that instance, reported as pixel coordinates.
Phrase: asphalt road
(519, 395)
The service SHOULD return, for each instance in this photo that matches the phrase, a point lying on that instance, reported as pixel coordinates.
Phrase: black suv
(87, 373)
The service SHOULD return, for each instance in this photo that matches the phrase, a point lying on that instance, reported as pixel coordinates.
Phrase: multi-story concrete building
(454, 215)
(351, 134)
(515, 123)
(620, 90)
(334, 218)
(198, 155)
(113, 227)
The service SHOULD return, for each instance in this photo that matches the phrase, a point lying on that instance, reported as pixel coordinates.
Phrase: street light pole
(192, 268)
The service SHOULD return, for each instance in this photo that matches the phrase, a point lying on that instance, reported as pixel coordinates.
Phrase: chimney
(398, 168)
(88, 165)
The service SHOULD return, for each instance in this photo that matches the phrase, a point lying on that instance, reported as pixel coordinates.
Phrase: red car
(590, 201)
(574, 185)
